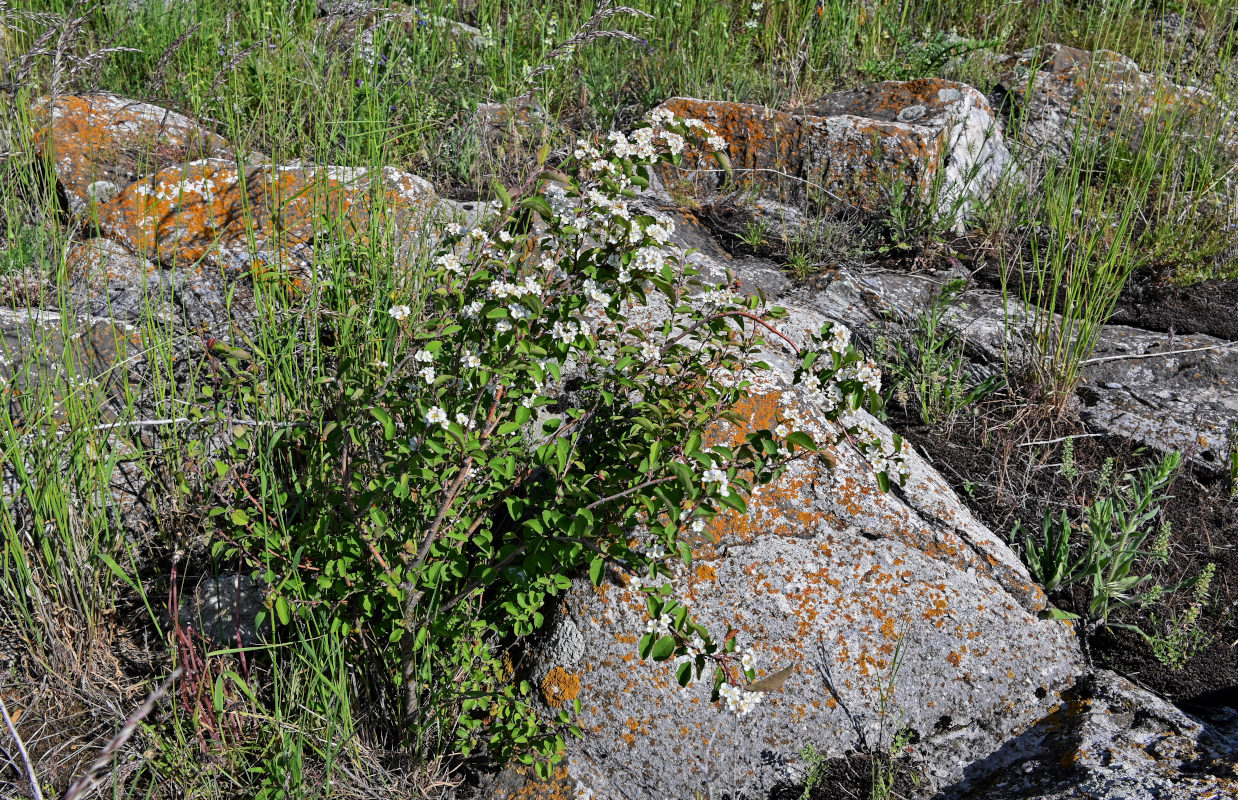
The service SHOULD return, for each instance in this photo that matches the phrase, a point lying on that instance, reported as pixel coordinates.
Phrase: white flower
(781, 431)
(427, 374)
(472, 361)
(696, 647)
(698, 525)
(518, 311)
(454, 229)
(748, 660)
(585, 150)
(693, 122)
(750, 25)
(399, 312)
(619, 144)
(565, 332)
(595, 294)
(424, 356)
(502, 326)
(478, 235)
(381, 364)
(674, 142)
(719, 298)
(716, 143)
(650, 351)
(660, 624)
(436, 416)
(737, 700)
(504, 237)
(840, 337)
(529, 400)
(450, 263)
(635, 584)
(662, 116)
(655, 550)
(463, 421)
(659, 232)
(473, 309)
(496, 204)
(758, 6)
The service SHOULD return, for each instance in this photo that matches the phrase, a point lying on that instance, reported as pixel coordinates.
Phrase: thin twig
(1061, 439)
(1154, 355)
(21, 749)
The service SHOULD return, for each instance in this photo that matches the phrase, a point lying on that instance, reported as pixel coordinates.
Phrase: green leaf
(239, 517)
(801, 439)
(539, 205)
(645, 647)
(283, 610)
(388, 424)
(687, 478)
(733, 500)
(504, 197)
(596, 569)
(664, 648)
(684, 676)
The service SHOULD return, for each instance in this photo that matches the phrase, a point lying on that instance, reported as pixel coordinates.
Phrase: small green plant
(1182, 637)
(756, 234)
(1117, 526)
(913, 58)
(815, 770)
(884, 764)
(931, 366)
(822, 244)
(1067, 469)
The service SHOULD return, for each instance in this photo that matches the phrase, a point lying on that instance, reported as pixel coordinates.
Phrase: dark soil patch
(850, 778)
(1149, 300)
(1004, 482)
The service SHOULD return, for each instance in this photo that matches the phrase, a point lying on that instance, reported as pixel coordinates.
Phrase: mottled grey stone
(225, 608)
(105, 280)
(1055, 91)
(1136, 384)
(828, 574)
(1116, 741)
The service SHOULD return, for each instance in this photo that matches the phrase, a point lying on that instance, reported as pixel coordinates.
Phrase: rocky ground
(921, 651)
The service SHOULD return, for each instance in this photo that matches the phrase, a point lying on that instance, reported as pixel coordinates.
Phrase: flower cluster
(738, 700)
(840, 381)
(884, 457)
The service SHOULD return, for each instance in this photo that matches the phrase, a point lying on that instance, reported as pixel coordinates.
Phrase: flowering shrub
(510, 424)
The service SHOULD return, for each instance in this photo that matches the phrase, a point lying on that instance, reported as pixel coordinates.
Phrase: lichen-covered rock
(39, 347)
(1055, 91)
(936, 138)
(100, 143)
(1170, 392)
(1110, 739)
(106, 280)
(225, 608)
(829, 575)
(260, 219)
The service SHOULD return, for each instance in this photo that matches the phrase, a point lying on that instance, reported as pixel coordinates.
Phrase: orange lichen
(560, 687)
